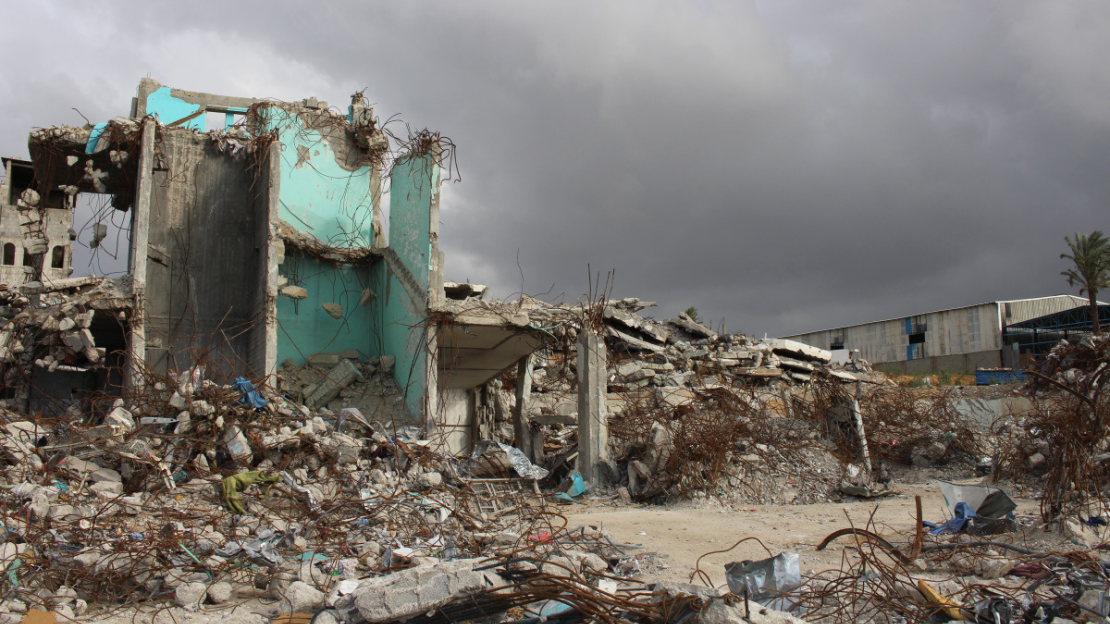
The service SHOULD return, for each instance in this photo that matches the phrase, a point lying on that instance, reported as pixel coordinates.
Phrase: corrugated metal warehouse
(958, 339)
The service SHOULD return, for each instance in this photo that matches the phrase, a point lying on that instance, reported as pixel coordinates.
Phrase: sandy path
(682, 533)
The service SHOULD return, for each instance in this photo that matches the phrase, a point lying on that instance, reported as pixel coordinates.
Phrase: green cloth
(231, 486)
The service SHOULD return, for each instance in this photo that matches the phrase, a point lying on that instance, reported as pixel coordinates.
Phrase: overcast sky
(786, 166)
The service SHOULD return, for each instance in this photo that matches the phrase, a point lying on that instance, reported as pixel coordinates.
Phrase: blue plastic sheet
(250, 394)
(963, 513)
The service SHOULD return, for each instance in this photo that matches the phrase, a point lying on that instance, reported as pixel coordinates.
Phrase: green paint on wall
(305, 328)
(412, 185)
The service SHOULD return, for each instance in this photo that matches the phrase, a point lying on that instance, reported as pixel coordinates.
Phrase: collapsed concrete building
(258, 248)
(255, 241)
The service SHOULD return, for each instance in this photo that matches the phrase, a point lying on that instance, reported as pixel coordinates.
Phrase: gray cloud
(782, 165)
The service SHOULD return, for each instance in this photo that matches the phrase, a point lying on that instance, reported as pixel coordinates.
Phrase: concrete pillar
(434, 404)
(522, 430)
(593, 425)
(137, 253)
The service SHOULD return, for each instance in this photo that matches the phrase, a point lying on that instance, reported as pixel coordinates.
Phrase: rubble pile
(335, 381)
(695, 413)
(722, 442)
(1062, 447)
(55, 330)
(682, 353)
(198, 485)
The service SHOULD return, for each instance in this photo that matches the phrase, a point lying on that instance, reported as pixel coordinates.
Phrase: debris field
(309, 424)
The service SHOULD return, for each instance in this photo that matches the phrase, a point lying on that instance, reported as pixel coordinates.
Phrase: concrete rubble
(318, 423)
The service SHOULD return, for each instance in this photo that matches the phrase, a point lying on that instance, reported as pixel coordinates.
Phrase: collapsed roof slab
(94, 159)
(478, 345)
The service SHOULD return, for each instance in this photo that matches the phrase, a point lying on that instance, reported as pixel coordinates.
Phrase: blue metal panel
(909, 326)
(1000, 376)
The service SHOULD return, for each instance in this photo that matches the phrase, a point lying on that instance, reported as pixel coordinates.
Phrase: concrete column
(593, 425)
(275, 255)
(433, 395)
(522, 430)
(140, 232)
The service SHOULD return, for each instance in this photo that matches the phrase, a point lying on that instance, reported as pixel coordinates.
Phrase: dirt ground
(681, 533)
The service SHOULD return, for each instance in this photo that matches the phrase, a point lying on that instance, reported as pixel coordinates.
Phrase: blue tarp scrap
(250, 394)
(956, 524)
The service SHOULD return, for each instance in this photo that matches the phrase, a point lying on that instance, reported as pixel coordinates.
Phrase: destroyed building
(24, 234)
(255, 241)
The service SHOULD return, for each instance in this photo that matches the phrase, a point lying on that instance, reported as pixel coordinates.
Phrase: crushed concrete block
(293, 292)
(334, 310)
(21, 439)
(628, 367)
(87, 559)
(189, 595)
(338, 378)
(994, 568)
(39, 505)
(430, 479)
(219, 593)
(177, 401)
(120, 420)
(236, 443)
(107, 489)
(90, 470)
(300, 597)
(202, 409)
(415, 591)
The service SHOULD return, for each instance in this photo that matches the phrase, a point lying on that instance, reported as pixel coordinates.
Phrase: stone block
(300, 597)
(416, 591)
(293, 292)
(189, 595)
(338, 378)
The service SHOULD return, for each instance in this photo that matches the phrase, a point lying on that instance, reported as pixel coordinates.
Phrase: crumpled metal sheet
(260, 550)
(517, 459)
(766, 581)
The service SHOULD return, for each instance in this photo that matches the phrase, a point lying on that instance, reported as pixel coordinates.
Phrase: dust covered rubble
(663, 379)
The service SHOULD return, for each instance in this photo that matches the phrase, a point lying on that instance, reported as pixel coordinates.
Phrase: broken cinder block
(338, 378)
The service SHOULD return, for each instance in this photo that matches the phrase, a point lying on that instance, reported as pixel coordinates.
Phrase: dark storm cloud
(786, 166)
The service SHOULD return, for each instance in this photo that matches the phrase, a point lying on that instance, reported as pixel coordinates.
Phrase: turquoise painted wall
(412, 183)
(402, 335)
(304, 328)
(318, 196)
(410, 203)
(169, 109)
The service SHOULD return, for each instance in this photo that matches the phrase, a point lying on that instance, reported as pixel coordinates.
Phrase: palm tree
(1091, 255)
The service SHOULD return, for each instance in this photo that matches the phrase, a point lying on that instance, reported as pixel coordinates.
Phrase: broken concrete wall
(327, 182)
(16, 227)
(203, 255)
(305, 327)
(414, 219)
(456, 428)
(329, 188)
(401, 286)
(398, 312)
(187, 109)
